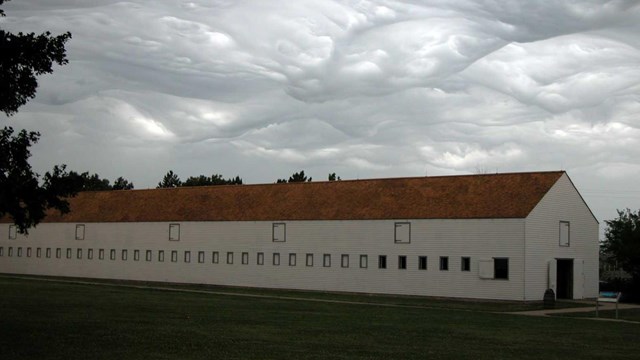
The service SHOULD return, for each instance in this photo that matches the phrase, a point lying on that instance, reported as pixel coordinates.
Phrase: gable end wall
(561, 203)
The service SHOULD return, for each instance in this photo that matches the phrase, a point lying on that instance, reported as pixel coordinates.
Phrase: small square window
(69, 253)
(382, 262)
(465, 263)
(58, 253)
(326, 260)
(201, 257)
(39, 252)
(215, 257)
(101, 254)
(28, 252)
(78, 253)
(187, 256)
(136, 255)
(1, 251)
(276, 259)
(89, 254)
(124, 255)
(564, 233)
(292, 259)
(279, 232)
(112, 255)
(403, 232)
(309, 261)
(344, 262)
(160, 255)
(260, 258)
(174, 255)
(422, 263)
(245, 258)
(10, 252)
(148, 255)
(13, 232)
(444, 263)
(501, 268)
(19, 252)
(364, 261)
(229, 257)
(402, 262)
(80, 232)
(174, 232)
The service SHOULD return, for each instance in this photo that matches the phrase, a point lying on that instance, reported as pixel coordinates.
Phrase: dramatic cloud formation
(261, 89)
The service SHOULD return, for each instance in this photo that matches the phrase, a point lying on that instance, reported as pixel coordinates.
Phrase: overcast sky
(262, 89)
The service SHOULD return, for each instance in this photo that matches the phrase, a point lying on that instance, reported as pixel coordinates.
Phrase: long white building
(500, 236)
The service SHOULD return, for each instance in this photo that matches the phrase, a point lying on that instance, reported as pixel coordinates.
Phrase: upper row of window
(279, 232)
(402, 232)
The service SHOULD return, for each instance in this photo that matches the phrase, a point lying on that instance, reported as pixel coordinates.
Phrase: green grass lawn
(400, 300)
(51, 320)
(626, 314)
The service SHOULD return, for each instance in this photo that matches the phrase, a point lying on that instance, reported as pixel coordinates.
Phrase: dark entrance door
(564, 279)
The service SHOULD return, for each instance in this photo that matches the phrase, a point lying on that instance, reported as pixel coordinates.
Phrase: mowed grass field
(51, 320)
(625, 314)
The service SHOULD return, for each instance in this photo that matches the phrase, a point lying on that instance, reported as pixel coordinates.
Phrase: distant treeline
(93, 182)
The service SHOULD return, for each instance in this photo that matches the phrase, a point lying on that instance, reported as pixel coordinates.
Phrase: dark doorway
(565, 279)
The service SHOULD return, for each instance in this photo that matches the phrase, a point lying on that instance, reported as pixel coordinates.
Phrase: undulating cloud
(365, 89)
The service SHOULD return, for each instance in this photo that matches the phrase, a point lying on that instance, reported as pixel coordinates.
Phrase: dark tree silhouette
(170, 180)
(25, 56)
(296, 177)
(96, 183)
(122, 184)
(197, 181)
(22, 196)
(235, 181)
(215, 179)
(299, 177)
(622, 242)
(333, 177)
(90, 182)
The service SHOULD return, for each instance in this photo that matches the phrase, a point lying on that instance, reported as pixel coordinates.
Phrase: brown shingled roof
(511, 195)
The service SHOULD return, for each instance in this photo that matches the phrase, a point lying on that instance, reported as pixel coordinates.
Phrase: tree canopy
(296, 177)
(215, 179)
(25, 56)
(23, 195)
(622, 242)
(91, 182)
(170, 180)
(333, 177)
(88, 182)
(122, 184)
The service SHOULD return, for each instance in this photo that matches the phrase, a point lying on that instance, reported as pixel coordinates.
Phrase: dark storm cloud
(365, 89)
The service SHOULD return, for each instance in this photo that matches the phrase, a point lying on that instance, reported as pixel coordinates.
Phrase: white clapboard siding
(543, 231)
(475, 238)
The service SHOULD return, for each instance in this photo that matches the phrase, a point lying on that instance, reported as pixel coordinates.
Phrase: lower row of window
(501, 265)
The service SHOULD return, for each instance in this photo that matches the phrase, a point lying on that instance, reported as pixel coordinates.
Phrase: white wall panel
(543, 240)
(478, 239)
